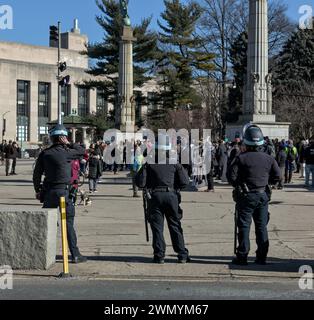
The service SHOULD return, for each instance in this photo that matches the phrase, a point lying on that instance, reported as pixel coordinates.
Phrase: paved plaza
(111, 234)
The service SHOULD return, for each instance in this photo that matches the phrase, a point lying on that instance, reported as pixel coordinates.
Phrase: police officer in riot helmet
(163, 183)
(251, 173)
(55, 164)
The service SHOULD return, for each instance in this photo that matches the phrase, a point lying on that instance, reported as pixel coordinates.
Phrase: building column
(84, 136)
(74, 99)
(8, 101)
(54, 102)
(33, 112)
(93, 101)
(74, 135)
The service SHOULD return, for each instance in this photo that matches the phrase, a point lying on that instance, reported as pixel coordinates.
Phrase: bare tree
(224, 20)
(297, 106)
(221, 23)
(210, 91)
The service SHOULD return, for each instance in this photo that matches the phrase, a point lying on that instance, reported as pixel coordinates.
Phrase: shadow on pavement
(31, 199)
(22, 204)
(110, 196)
(39, 275)
(295, 186)
(16, 181)
(299, 191)
(129, 259)
(273, 264)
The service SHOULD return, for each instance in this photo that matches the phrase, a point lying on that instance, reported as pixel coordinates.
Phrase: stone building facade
(29, 87)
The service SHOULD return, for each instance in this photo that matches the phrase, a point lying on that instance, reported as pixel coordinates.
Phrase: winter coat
(94, 165)
(75, 171)
(222, 155)
(281, 158)
(11, 152)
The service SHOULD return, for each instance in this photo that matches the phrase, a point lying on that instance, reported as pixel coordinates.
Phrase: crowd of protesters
(99, 159)
(291, 158)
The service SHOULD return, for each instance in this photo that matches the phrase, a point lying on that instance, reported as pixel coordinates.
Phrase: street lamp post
(3, 124)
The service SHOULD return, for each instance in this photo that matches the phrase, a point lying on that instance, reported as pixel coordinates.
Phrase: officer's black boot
(240, 261)
(158, 260)
(79, 259)
(261, 261)
(185, 260)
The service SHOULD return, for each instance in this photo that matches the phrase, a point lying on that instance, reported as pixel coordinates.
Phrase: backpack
(290, 155)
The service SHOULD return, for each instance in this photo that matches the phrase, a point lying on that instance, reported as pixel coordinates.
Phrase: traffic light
(65, 81)
(62, 66)
(54, 33)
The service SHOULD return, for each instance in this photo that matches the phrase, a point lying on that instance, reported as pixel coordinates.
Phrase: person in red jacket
(75, 176)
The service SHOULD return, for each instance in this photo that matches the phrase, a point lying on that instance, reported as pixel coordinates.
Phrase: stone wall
(28, 238)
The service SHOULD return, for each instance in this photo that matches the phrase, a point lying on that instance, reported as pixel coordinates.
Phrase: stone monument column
(125, 115)
(126, 78)
(257, 93)
(258, 90)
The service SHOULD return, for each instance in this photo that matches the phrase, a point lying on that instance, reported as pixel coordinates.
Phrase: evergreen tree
(238, 59)
(105, 54)
(294, 65)
(181, 57)
(294, 82)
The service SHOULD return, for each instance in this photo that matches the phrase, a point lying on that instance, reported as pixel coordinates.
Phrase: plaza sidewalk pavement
(111, 234)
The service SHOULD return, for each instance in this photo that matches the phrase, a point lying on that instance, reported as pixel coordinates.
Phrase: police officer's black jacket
(55, 163)
(255, 169)
(152, 176)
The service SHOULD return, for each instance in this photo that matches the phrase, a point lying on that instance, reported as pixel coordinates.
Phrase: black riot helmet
(58, 131)
(253, 136)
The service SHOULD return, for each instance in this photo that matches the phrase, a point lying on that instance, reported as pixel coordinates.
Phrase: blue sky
(32, 17)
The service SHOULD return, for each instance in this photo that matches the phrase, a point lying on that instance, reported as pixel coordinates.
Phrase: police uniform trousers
(253, 205)
(166, 205)
(52, 200)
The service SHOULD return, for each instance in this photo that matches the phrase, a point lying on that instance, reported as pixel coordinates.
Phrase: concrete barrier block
(28, 238)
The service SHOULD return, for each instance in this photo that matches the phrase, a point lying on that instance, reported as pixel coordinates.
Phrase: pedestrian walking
(15, 155)
(9, 155)
(94, 170)
(292, 154)
(137, 165)
(281, 159)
